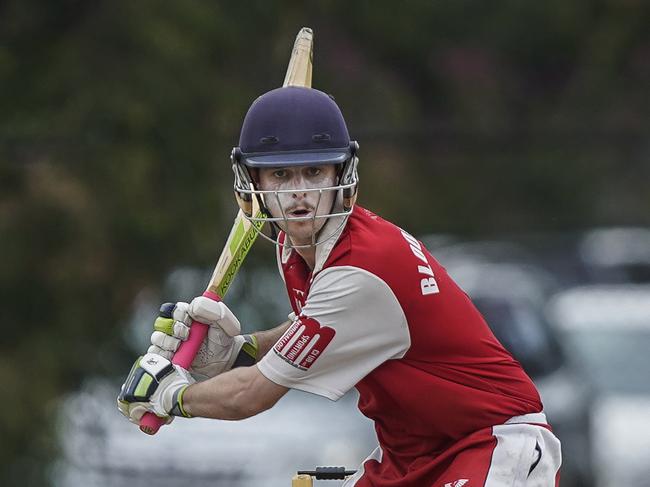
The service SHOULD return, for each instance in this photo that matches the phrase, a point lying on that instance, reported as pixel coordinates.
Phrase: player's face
(303, 201)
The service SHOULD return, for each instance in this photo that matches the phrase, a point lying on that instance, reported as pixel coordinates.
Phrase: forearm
(237, 394)
(219, 397)
(267, 338)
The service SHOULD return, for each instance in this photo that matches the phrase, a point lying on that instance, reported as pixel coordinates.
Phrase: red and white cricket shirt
(379, 313)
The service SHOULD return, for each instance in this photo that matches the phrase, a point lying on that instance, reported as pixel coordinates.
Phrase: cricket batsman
(372, 309)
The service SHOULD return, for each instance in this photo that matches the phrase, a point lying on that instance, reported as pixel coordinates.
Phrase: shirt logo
(299, 299)
(457, 483)
(304, 342)
(428, 284)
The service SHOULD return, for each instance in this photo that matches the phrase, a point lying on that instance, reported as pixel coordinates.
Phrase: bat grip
(184, 356)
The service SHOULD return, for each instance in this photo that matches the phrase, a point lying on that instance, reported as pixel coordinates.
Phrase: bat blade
(243, 233)
(242, 236)
(301, 61)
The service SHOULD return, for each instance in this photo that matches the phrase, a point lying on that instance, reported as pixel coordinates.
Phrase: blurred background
(511, 136)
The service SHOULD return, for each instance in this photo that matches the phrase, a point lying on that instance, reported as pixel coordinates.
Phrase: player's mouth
(299, 212)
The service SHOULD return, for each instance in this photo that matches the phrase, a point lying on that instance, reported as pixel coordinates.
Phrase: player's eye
(313, 171)
(280, 173)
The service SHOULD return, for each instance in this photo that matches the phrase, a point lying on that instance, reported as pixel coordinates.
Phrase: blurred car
(606, 255)
(100, 447)
(450, 251)
(512, 298)
(617, 254)
(607, 328)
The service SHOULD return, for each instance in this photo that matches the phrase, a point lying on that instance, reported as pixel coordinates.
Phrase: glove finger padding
(177, 311)
(159, 351)
(174, 320)
(134, 412)
(214, 313)
(170, 329)
(180, 313)
(164, 341)
(173, 328)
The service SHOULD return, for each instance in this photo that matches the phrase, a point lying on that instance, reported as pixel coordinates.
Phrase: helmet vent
(269, 139)
(321, 137)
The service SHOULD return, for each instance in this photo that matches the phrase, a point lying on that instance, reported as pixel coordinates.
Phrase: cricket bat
(243, 232)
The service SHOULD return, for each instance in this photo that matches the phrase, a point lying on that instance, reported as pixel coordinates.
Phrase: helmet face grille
(344, 199)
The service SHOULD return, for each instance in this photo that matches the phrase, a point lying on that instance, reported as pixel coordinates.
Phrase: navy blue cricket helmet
(294, 126)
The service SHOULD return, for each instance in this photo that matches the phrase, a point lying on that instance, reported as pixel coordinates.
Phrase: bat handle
(184, 356)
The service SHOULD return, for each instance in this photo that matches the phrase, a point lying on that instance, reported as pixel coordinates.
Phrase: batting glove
(155, 385)
(223, 347)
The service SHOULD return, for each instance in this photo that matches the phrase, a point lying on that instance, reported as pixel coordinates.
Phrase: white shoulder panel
(351, 323)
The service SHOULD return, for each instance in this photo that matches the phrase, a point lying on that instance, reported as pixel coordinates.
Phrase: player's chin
(302, 231)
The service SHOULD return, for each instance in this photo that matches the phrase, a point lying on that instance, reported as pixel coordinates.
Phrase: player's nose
(300, 185)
